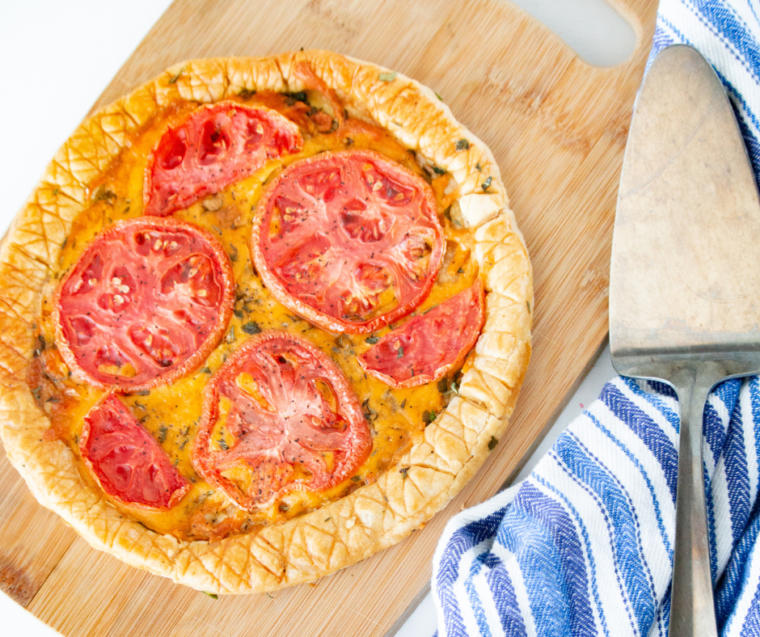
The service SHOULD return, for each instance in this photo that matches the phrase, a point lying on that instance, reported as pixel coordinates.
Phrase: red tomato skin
(63, 332)
(358, 440)
(425, 335)
(187, 147)
(320, 318)
(110, 419)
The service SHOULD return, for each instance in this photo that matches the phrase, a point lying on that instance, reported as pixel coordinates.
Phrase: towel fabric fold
(584, 546)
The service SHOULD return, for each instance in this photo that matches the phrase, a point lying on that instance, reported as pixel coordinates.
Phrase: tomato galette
(261, 318)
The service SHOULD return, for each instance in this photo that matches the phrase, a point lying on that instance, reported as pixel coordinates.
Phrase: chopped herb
(299, 96)
(372, 340)
(205, 370)
(65, 241)
(400, 351)
(443, 385)
(142, 392)
(492, 443)
(403, 471)
(53, 399)
(328, 519)
(428, 416)
(269, 595)
(37, 393)
(56, 191)
(462, 144)
(104, 194)
(211, 595)
(403, 403)
(460, 271)
(369, 413)
(231, 335)
(528, 304)
(238, 313)
(217, 229)
(438, 171)
(233, 254)
(387, 77)
(284, 507)
(223, 444)
(438, 96)
(162, 431)
(348, 141)
(172, 80)
(251, 327)
(355, 478)
(246, 93)
(478, 167)
(486, 184)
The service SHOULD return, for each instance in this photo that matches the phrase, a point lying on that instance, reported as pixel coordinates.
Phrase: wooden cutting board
(557, 127)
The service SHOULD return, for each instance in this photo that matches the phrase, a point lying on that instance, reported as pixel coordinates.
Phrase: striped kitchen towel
(584, 546)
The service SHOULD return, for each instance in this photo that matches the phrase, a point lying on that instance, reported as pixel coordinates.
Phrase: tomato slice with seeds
(145, 303)
(349, 240)
(127, 462)
(279, 416)
(429, 346)
(214, 147)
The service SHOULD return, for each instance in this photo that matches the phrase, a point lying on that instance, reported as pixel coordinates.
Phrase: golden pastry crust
(372, 517)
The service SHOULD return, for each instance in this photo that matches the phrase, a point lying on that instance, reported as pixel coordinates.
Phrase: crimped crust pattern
(374, 516)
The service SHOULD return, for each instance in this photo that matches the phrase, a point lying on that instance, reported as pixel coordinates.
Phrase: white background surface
(57, 57)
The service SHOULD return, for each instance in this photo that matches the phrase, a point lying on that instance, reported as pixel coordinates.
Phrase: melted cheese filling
(397, 417)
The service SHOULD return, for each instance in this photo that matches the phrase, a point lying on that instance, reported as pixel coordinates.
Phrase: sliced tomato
(214, 147)
(127, 462)
(146, 303)
(349, 240)
(279, 416)
(429, 346)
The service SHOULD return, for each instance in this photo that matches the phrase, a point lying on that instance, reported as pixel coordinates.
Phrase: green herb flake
(387, 77)
(223, 444)
(251, 327)
(328, 519)
(486, 184)
(443, 385)
(238, 313)
(55, 192)
(173, 80)
(231, 335)
(428, 416)
(205, 370)
(478, 167)
(371, 340)
(142, 392)
(400, 351)
(492, 443)
(438, 171)
(356, 479)
(528, 304)
(246, 93)
(462, 144)
(162, 431)
(211, 595)
(403, 471)
(438, 96)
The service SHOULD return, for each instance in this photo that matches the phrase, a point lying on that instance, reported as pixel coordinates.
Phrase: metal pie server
(685, 280)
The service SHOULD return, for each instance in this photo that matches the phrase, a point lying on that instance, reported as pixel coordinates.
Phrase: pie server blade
(685, 280)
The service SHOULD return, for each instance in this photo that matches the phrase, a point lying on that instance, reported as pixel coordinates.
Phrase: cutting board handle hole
(591, 28)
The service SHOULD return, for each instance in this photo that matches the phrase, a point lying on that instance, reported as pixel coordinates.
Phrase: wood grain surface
(557, 127)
